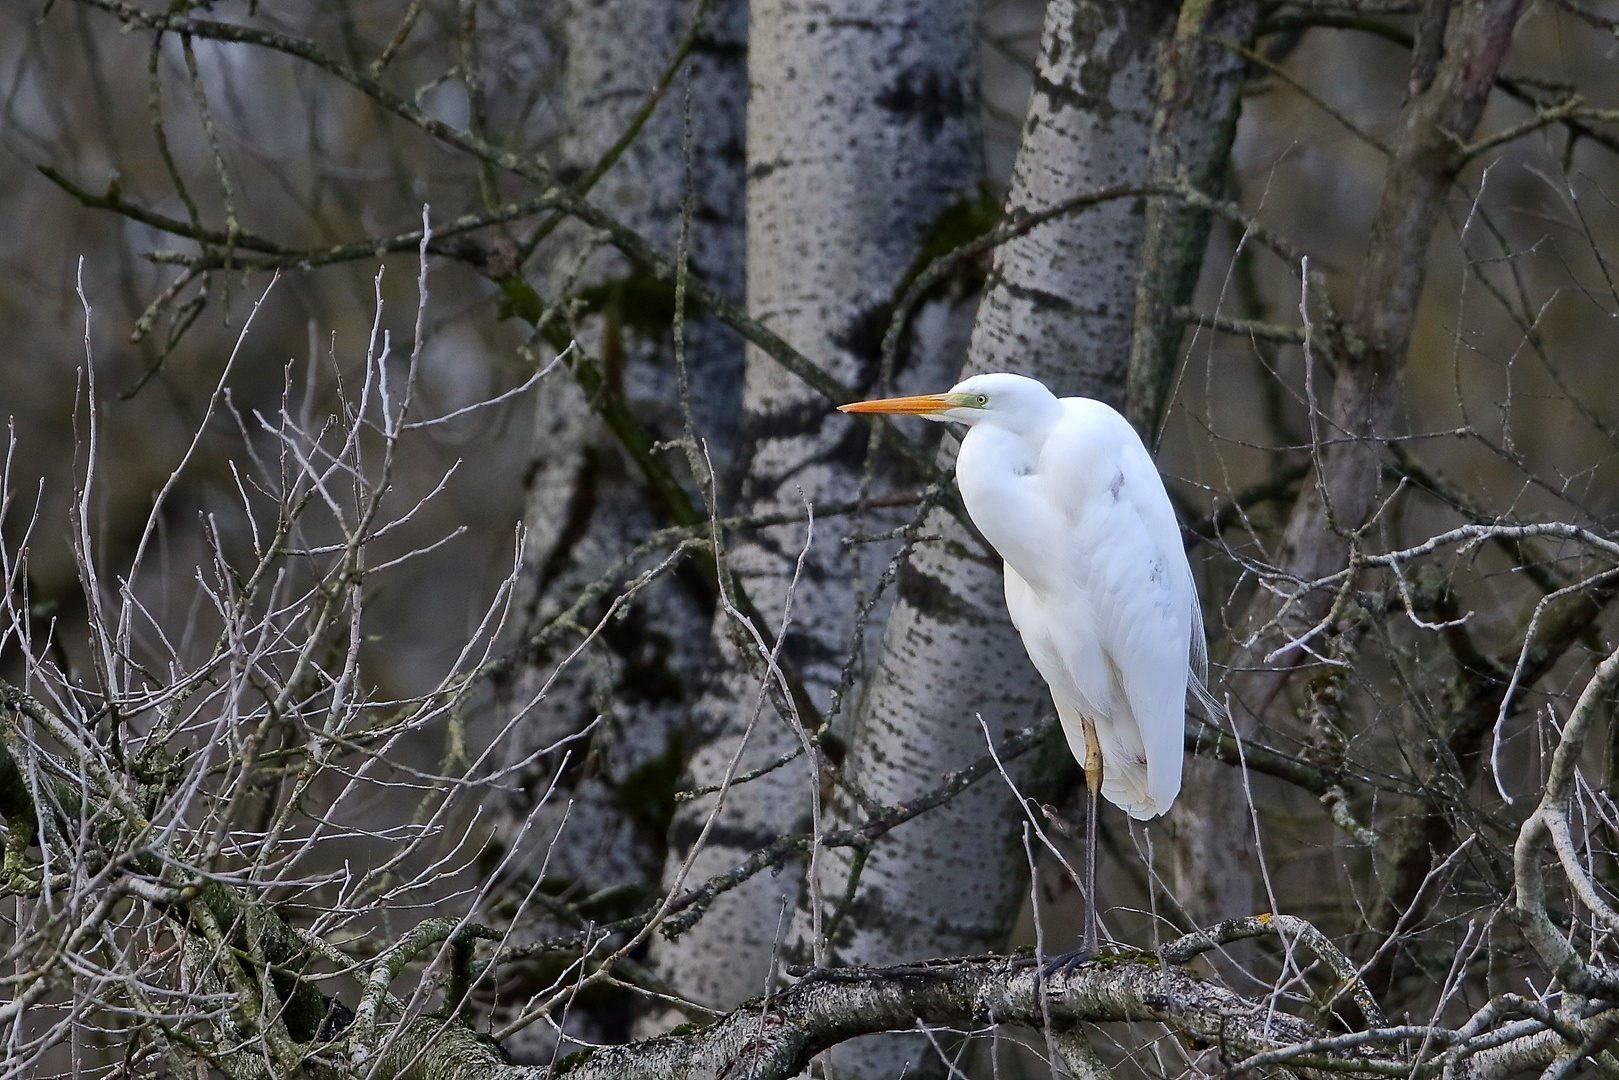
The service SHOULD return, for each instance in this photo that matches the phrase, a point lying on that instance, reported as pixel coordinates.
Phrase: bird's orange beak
(920, 405)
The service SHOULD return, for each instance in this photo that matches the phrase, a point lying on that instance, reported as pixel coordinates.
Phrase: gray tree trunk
(1367, 395)
(586, 507)
(1213, 850)
(861, 132)
(1059, 307)
(1193, 127)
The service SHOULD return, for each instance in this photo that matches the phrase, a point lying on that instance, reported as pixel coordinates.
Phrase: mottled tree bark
(1122, 95)
(1058, 306)
(586, 507)
(1059, 302)
(861, 132)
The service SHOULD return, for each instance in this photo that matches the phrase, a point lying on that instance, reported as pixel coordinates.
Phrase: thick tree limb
(1184, 949)
(778, 1037)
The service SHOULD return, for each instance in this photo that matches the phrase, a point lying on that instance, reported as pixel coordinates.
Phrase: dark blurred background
(1511, 382)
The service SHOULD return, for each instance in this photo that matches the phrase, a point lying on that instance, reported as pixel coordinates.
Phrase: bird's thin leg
(1093, 791)
(1093, 785)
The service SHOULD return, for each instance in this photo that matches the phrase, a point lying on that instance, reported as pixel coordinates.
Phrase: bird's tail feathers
(1200, 644)
(1199, 682)
(1211, 704)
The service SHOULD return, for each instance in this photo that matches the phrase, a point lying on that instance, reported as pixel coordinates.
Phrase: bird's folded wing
(1126, 559)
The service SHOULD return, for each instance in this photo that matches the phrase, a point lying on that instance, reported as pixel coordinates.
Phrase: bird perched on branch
(1097, 581)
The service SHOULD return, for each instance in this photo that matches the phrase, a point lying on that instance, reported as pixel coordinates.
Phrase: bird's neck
(998, 474)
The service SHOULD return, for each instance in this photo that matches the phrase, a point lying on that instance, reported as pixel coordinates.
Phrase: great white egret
(1097, 581)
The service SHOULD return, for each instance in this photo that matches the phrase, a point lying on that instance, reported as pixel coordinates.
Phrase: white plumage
(1097, 580)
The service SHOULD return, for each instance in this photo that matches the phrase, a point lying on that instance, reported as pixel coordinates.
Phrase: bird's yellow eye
(981, 400)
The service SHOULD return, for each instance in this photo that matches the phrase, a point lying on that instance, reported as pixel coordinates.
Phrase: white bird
(1097, 581)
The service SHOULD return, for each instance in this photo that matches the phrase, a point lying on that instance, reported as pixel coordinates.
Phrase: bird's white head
(1014, 402)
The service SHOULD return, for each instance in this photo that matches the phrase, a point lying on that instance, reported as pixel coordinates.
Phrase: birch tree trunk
(1062, 305)
(1058, 306)
(862, 131)
(586, 507)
